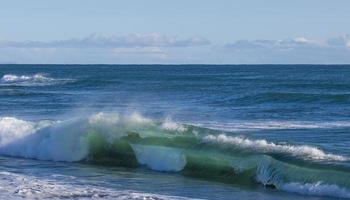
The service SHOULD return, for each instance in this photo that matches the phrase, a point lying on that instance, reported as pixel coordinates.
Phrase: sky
(175, 32)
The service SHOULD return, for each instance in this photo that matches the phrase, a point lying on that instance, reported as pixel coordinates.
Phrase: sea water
(175, 131)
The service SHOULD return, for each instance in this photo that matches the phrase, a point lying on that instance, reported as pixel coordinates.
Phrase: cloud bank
(299, 50)
(105, 41)
(155, 48)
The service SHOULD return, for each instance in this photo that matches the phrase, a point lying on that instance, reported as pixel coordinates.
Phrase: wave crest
(264, 146)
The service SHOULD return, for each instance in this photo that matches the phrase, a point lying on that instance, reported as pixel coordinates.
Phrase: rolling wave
(30, 80)
(133, 141)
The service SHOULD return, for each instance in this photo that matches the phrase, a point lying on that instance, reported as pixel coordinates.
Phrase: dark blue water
(298, 116)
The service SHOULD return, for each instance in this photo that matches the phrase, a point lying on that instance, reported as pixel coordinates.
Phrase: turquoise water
(172, 132)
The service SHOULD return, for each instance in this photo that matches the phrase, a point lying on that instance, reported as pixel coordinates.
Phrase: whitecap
(31, 80)
(303, 151)
(169, 124)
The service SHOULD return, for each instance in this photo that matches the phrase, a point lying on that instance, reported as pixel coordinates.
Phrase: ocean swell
(131, 140)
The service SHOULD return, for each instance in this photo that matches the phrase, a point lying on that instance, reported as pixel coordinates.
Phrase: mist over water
(271, 131)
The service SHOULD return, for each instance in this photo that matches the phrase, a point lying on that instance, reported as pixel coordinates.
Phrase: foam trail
(30, 80)
(271, 125)
(303, 151)
(16, 186)
(316, 189)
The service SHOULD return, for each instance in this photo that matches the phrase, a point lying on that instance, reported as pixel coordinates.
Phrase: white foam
(16, 186)
(65, 140)
(12, 129)
(316, 189)
(30, 80)
(303, 151)
(271, 125)
(160, 158)
(136, 117)
(168, 124)
(114, 118)
(104, 119)
(44, 140)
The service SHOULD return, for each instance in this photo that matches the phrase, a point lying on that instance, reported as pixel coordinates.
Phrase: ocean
(175, 131)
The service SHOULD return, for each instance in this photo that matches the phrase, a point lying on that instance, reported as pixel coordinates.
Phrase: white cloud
(139, 50)
(273, 44)
(300, 40)
(105, 41)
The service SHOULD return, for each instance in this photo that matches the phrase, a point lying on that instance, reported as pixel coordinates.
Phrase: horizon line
(183, 64)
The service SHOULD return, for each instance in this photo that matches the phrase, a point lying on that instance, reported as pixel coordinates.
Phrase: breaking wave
(30, 80)
(132, 141)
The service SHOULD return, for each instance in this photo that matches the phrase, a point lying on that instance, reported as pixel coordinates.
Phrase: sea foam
(302, 151)
(31, 80)
(18, 186)
(316, 189)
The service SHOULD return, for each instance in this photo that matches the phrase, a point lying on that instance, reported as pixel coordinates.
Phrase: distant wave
(271, 125)
(132, 140)
(31, 80)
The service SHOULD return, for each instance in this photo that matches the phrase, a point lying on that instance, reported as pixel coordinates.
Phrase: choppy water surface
(172, 132)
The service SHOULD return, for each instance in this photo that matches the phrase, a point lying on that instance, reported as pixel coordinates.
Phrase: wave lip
(264, 146)
(30, 80)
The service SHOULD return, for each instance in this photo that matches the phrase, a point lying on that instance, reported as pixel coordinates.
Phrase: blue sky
(173, 32)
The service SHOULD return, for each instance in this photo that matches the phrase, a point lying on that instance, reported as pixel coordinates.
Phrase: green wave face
(189, 152)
